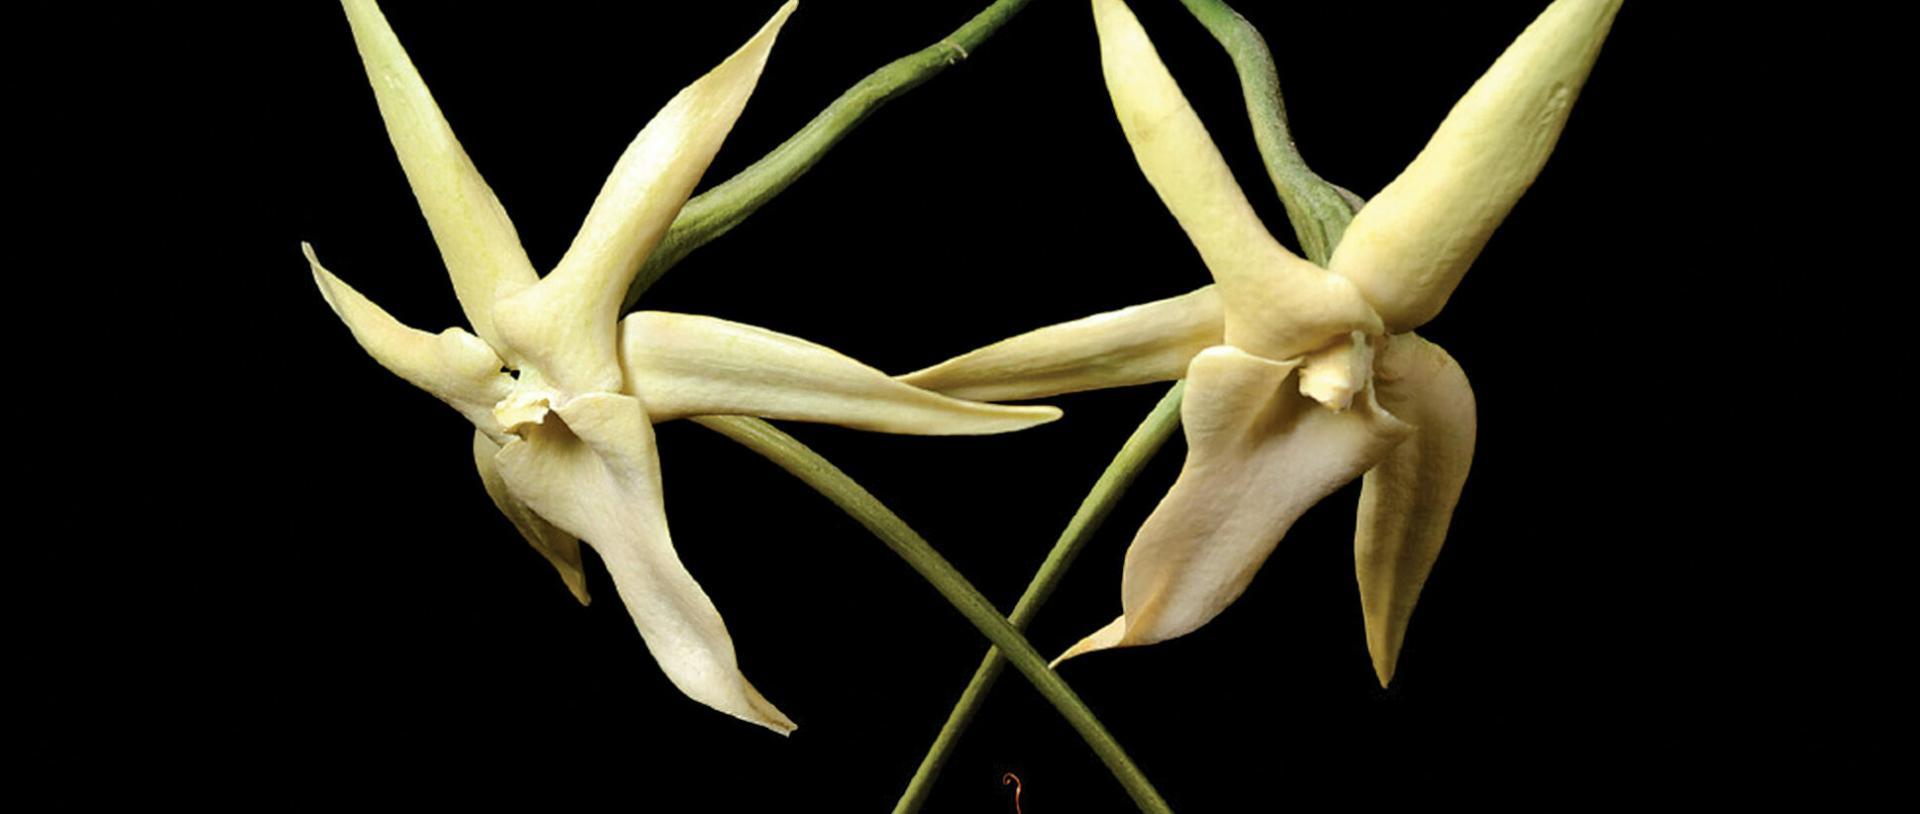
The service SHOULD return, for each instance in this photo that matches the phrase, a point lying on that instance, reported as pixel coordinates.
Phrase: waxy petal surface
(455, 366)
(1259, 454)
(476, 239)
(560, 548)
(594, 473)
(1407, 501)
(1408, 247)
(682, 365)
(569, 321)
(1134, 345)
(1277, 304)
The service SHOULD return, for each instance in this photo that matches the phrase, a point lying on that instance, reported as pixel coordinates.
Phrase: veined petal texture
(1258, 455)
(594, 473)
(476, 239)
(1407, 501)
(560, 548)
(1277, 304)
(569, 321)
(682, 365)
(1135, 345)
(1408, 247)
(455, 366)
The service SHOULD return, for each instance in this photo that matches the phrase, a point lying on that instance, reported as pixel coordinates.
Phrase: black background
(375, 627)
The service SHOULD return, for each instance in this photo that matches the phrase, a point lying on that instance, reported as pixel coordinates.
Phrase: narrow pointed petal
(594, 474)
(1259, 454)
(453, 365)
(560, 548)
(476, 239)
(568, 322)
(1407, 501)
(1105, 638)
(1408, 248)
(1136, 345)
(682, 365)
(1278, 305)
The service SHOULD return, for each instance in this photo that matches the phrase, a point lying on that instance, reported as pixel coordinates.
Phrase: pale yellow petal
(593, 472)
(1277, 305)
(568, 322)
(682, 365)
(481, 249)
(1408, 248)
(1136, 345)
(560, 548)
(1103, 639)
(453, 365)
(1258, 455)
(1407, 501)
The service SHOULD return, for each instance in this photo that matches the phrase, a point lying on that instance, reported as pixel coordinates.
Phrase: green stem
(710, 214)
(856, 501)
(1120, 473)
(1319, 210)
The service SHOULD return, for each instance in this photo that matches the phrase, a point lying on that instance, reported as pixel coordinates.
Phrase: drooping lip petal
(1277, 304)
(1259, 454)
(1135, 345)
(1408, 247)
(682, 365)
(476, 239)
(568, 322)
(594, 474)
(1406, 502)
(455, 366)
(560, 549)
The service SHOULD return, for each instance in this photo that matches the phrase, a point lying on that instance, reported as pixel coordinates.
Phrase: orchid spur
(563, 392)
(1300, 378)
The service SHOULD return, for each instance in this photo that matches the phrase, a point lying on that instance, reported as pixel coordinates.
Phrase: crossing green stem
(856, 501)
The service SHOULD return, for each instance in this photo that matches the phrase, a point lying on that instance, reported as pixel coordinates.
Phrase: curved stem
(856, 501)
(1319, 210)
(710, 214)
(1120, 473)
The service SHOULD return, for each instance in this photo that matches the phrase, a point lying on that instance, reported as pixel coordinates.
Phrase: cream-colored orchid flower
(1300, 378)
(563, 393)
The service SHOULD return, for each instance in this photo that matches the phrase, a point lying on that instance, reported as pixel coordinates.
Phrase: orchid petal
(682, 365)
(1135, 345)
(595, 474)
(453, 365)
(476, 239)
(1278, 305)
(1408, 248)
(1258, 455)
(560, 548)
(568, 322)
(1407, 501)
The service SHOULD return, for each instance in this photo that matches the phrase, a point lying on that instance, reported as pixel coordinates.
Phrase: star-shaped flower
(563, 393)
(1300, 378)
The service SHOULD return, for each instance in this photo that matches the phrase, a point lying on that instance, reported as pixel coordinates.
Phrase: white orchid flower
(563, 393)
(1300, 378)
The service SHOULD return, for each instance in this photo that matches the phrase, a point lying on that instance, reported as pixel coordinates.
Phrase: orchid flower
(563, 393)
(1300, 378)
